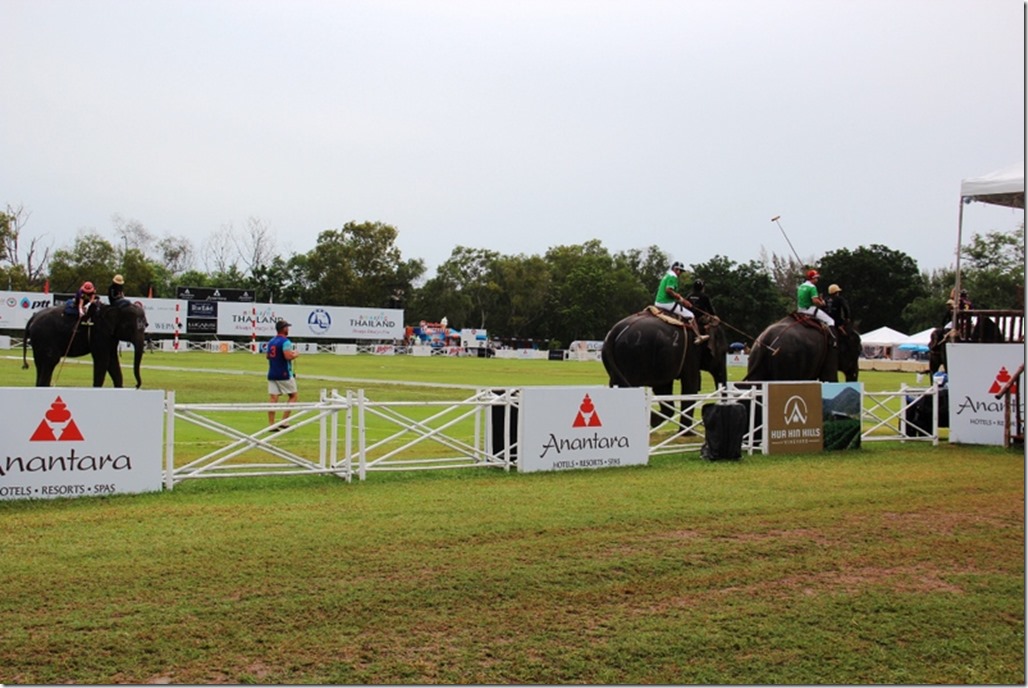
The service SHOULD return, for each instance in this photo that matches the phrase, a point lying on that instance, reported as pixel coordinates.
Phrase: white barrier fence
(61, 441)
(347, 434)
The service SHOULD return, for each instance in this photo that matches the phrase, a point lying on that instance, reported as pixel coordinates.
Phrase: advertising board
(976, 373)
(68, 442)
(564, 428)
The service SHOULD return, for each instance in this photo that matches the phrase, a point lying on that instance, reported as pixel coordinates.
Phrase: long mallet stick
(775, 220)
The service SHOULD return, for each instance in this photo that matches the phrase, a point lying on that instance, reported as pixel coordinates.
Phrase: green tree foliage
(358, 265)
(23, 260)
(877, 281)
(88, 259)
(746, 297)
(589, 292)
(930, 309)
(992, 270)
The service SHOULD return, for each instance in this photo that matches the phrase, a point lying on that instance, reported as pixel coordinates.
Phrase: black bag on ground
(725, 426)
(919, 415)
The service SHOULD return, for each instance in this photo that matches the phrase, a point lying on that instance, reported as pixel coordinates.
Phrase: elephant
(649, 350)
(798, 348)
(54, 335)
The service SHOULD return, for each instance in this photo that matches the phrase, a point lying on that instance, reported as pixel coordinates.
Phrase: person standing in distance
(281, 378)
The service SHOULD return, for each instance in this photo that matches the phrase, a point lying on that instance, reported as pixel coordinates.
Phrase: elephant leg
(666, 410)
(111, 367)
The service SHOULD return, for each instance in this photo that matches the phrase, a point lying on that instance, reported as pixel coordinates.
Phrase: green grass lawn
(889, 564)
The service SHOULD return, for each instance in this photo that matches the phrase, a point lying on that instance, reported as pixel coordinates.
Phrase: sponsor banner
(793, 417)
(201, 309)
(737, 360)
(564, 428)
(160, 314)
(67, 442)
(214, 294)
(976, 374)
(842, 408)
(324, 322)
(16, 307)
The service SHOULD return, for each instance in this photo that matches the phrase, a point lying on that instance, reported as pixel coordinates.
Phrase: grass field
(889, 564)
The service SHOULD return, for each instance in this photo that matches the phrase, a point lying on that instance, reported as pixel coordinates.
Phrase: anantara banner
(71, 442)
(565, 428)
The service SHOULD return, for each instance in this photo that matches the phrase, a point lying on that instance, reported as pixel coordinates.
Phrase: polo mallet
(775, 220)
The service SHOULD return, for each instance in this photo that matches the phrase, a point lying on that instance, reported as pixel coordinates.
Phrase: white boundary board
(565, 428)
(976, 373)
(80, 442)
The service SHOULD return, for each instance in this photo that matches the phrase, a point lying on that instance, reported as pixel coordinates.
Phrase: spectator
(281, 378)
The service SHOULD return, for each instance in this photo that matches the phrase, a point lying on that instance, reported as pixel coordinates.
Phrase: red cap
(811, 274)
(88, 288)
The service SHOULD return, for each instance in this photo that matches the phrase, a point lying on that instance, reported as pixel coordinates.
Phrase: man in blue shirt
(281, 378)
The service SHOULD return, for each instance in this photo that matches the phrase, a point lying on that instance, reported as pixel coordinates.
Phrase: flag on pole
(149, 293)
(46, 287)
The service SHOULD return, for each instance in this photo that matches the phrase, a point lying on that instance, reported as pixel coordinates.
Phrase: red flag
(46, 287)
(149, 294)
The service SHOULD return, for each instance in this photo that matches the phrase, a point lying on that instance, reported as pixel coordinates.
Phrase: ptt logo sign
(27, 303)
(319, 321)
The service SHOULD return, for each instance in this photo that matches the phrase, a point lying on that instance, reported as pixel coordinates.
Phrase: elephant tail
(25, 345)
(609, 358)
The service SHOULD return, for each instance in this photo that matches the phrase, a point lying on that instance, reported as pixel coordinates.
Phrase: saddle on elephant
(807, 320)
(664, 315)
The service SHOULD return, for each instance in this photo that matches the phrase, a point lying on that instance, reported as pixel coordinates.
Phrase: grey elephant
(53, 335)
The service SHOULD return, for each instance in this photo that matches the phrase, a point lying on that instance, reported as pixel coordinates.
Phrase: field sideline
(889, 564)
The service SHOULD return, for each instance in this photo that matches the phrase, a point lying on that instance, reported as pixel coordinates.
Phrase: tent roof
(1002, 187)
(922, 337)
(883, 336)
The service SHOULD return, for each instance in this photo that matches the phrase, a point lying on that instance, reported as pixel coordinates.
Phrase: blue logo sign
(319, 321)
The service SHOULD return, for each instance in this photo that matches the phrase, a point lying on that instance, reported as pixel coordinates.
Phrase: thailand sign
(66, 442)
(977, 372)
(564, 428)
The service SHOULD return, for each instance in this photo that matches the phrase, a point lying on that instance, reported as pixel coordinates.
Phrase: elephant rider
(838, 307)
(808, 301)
(81, 305)
(116, 293)
(670, 300)
(701, 302)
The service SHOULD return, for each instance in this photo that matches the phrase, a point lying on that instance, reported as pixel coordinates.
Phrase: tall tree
(746, 297)
(88, 259)
(358, 265)
(993, 273)
(878, 282)
(23, 261)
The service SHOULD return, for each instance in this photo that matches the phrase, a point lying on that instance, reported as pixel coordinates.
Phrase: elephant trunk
(137, 358)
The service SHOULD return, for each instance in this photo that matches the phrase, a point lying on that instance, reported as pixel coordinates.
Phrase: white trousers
(675, 307)
(819, 314)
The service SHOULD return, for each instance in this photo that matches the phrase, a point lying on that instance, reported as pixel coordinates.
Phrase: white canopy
(883, 336)
(1002, 187)
(924, 337)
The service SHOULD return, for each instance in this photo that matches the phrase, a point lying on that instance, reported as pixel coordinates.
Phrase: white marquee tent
(1003, 187)
(881, 343)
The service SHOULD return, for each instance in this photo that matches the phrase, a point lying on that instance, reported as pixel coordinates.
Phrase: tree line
(571, 292)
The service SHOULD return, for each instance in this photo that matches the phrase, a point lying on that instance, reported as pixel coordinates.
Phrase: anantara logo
(587, 416)
(57, 425)
(1002, 378)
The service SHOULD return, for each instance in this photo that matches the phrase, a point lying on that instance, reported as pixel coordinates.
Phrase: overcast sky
(516, 126)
